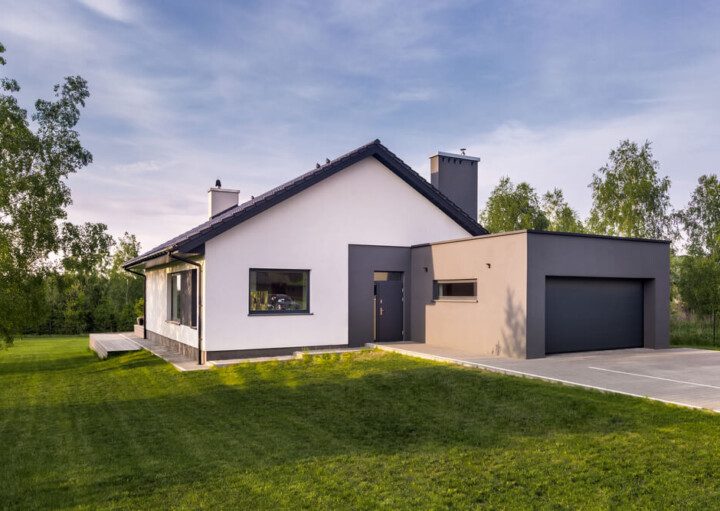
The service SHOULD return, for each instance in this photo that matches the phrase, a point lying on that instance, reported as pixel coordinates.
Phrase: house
(364, 249)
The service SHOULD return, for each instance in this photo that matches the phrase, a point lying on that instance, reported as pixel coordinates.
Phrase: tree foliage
(33, 193)
(35, 162)
(698, 283)
(510, 208)
(697, 277)
(86, 248)
(91, 294)
(560, 215)
(629, 199)
(701, 218)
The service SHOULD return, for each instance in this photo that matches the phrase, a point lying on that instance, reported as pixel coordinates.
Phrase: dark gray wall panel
(559, 255)
(457, 179)
(593, 314)
(363, 260)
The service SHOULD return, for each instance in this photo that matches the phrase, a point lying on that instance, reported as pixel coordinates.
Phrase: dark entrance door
(389, 310)
(585, 314)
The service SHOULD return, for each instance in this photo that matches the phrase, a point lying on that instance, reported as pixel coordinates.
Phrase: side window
(182, 297)
(455, 290)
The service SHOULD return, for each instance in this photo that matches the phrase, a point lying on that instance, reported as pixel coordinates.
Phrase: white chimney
(221, 199)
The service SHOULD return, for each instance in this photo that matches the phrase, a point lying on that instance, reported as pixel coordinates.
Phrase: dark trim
(201, 344)
(532, 231)
(305, 312)
(193, 239)
(266, 352)
(275, 314)
(144, 277)
(176, 346)
(601, 236)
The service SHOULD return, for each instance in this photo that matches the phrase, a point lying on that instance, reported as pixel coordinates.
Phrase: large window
(279, 291)
(455, 289)
(182, 297)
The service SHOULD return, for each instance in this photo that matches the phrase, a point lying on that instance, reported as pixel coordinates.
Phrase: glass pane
(382, 276)
(459, 289)
(175, 296)
(279, 291)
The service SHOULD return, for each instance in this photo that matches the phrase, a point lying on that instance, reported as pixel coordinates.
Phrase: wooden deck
(106, 345)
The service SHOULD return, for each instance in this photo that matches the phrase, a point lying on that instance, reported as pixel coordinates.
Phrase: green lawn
(363, 430)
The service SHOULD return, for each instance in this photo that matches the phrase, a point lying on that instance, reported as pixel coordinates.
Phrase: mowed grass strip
(353, 431)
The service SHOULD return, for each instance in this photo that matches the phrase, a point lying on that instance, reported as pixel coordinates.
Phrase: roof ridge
(236, 214)
(436, 190)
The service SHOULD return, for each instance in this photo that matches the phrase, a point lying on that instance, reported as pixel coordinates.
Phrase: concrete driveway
(681, 376)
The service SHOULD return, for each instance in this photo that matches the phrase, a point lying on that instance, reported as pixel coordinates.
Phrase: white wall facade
(156, 309)
(365, 203)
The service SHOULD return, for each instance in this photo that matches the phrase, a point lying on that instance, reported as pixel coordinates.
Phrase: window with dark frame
(455, 289)
(279, 291)
(182, 297)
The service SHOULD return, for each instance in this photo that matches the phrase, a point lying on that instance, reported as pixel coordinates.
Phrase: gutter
(201, 352)
(144, 277)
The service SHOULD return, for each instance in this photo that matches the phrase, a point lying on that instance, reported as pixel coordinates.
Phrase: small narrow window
(279, 291)
(455, 289)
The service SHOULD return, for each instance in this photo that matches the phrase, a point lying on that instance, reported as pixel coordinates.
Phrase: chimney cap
(223, 190)
(453, 155)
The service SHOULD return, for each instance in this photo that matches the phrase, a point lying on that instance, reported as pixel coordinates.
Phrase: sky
(256, 92)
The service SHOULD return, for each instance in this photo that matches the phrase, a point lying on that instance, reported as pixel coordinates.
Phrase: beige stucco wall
(508, 318)
(495, 323)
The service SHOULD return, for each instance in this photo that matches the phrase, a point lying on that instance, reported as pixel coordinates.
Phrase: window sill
(272, 314)
(457, 300)
(177, 323)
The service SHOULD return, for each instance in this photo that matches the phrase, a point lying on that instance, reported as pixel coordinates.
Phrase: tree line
(55, 276)
(629, 198)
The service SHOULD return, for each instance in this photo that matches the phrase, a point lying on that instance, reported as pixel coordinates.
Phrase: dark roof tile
(233, 216)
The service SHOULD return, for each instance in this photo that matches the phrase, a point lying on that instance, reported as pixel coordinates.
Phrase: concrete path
(180, 361)
(681, 376)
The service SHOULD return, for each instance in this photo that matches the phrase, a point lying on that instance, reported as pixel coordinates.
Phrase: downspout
(201, 344)
(144, 277)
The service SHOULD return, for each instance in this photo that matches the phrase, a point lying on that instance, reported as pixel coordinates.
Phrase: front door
(389, 306)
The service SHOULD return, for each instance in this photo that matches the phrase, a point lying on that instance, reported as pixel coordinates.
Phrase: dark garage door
(583, 314)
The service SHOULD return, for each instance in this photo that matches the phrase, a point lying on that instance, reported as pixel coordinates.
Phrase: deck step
(105, 345)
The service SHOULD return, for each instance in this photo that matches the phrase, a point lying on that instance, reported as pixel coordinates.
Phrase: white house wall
(157, 306)
(363, 204)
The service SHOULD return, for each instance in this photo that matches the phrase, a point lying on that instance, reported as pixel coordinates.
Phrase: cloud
(566, 155)
(116, 10)
(257, 93)
(138, 167)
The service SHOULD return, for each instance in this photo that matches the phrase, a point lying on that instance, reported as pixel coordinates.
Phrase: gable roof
(194, 238)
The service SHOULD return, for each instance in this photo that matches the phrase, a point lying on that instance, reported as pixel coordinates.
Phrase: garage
(587, 314)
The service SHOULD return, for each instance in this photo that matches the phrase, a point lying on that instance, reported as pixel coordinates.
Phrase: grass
(694, 333)
(356, 431)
